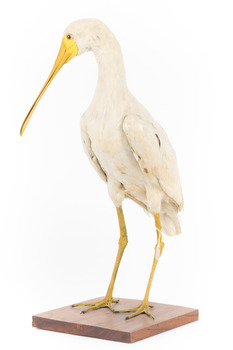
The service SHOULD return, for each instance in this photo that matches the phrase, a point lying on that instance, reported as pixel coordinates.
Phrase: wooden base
(104, 324)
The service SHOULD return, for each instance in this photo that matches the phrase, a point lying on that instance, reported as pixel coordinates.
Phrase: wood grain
(104, 324)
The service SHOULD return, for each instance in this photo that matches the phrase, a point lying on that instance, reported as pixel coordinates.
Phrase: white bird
(129, 150)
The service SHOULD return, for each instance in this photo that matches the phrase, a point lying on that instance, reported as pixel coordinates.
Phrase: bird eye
(68, 36)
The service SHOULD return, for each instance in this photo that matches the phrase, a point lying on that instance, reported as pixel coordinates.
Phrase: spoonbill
(128, 149)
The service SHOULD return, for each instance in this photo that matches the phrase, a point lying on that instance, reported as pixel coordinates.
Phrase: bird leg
(144, 306)
(108, 300)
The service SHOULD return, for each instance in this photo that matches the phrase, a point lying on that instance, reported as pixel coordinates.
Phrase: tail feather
(169, 219)
(169, 215)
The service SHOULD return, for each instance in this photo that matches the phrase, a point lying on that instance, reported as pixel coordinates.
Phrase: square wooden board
(104, 324)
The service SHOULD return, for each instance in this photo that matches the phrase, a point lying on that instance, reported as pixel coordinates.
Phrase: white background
(59, 229)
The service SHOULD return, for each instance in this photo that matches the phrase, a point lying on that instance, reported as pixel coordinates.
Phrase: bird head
(79, 37)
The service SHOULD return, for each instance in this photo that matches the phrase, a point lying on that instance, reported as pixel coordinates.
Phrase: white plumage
(126, 146)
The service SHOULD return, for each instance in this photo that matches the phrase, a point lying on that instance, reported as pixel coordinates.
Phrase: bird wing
(154, 154)
(92, 157)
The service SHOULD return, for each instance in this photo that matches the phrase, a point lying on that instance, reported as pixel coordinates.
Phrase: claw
(139, 313)
(81, 304)
(141, 309)
(97, 305)
(115, 301)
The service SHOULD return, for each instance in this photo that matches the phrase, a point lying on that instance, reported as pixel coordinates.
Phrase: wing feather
(154, 154)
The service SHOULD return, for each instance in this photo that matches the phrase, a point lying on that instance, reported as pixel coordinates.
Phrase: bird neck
(111, 77)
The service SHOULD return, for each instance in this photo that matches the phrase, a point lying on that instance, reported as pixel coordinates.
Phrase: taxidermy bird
(128, 149)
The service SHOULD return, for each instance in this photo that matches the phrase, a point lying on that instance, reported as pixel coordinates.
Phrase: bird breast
(112, 150)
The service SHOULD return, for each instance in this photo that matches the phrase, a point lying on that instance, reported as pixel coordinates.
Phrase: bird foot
(143, 308)
(106, 302)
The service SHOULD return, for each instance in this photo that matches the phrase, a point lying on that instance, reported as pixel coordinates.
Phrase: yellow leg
(144, 306)
(108, 300)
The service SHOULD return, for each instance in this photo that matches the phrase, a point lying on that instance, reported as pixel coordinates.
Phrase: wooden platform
(104, 324)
